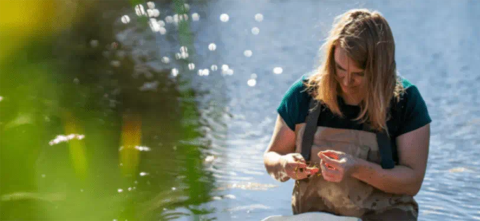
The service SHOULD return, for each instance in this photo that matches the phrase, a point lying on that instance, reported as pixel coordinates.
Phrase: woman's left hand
(336, 165)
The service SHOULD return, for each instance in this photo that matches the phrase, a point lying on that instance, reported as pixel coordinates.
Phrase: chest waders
(350, 197)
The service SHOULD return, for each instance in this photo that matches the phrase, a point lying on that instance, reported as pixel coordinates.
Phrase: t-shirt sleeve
(415, 112)
(291, 106)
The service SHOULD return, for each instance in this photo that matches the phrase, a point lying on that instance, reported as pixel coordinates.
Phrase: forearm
(273, 164)
(399, 180)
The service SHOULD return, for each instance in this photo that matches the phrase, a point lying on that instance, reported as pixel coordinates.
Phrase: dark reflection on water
(134, 151)
(154, 136)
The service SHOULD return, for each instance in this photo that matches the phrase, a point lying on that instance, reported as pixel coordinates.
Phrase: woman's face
(349, 77)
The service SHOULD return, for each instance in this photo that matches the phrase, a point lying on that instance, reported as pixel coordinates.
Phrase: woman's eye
(360, 74)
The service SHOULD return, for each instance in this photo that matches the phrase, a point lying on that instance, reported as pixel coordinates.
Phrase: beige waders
(351, 197)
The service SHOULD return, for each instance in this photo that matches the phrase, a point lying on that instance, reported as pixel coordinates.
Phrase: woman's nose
(347, 80)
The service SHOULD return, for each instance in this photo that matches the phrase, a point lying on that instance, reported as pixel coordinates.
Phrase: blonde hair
(368, 41)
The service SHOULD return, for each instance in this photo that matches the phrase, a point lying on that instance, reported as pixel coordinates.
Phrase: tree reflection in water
(137, 157)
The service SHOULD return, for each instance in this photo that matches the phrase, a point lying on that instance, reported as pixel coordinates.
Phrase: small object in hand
(313, 169)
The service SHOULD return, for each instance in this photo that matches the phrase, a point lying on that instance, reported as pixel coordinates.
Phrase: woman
(365, 129)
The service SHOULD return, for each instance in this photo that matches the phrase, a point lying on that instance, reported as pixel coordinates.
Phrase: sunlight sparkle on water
(115, 63)
(174, 72)
(259, 17)
(162, 30)
(183, 49)
(178, 18)
(229, 196)
(165, 60)
(125, 19)
(142, 148)
(248, 53)
(63, 138)
(140, 11)
(161, 23)
(175, 19)
(149, 86)
(252, 82)
(169, 19)
(94, 43)
(153, 12)
(255, 31)
(195, 17)
(209, 159)
(277, 70)
(212, 47)
(151, 5)
(154, 25)
(227, 72)
(184, 55)
(224, 18)
(203, 72)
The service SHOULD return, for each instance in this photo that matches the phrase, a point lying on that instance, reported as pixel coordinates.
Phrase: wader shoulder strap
(384, 147)
(310, 128)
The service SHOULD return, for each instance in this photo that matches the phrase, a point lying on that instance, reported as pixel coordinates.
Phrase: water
(162, 141)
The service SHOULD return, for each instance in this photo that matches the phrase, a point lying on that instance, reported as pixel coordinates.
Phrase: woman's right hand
(295, 167)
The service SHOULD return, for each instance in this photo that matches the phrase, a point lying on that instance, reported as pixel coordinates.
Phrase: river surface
(199, 142)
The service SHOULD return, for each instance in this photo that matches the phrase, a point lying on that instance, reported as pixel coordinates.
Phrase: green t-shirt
(408, 114)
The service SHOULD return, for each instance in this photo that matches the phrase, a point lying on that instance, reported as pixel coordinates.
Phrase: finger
(303, 175)
(332, 162)
(299, 174)
(294, 167)
(298, 157)
(299, 170)
(330, 170)
(325, 173)
(297, 165)
(330, 175)
(313, 170)
(331, 153)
